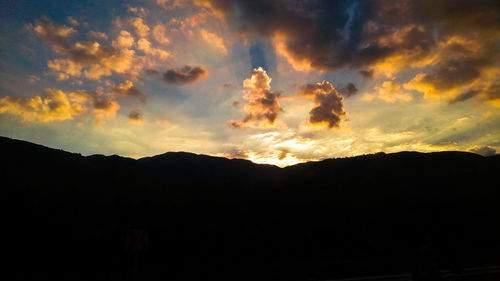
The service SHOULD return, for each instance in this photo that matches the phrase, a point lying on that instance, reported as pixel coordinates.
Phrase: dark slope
(214, 218)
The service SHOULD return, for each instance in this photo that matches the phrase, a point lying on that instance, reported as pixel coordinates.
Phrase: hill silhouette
(69, 217)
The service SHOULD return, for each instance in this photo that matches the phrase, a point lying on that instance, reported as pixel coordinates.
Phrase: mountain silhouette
(70, 217)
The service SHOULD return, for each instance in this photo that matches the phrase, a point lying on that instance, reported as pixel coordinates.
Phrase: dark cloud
(185, 75)
(329, 104)
(367, 74)
(328, 35)
(489, 92)
(483, 150)
(349, 90)
(135, 116)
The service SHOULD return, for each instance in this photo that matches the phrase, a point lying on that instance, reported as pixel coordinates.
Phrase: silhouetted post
(137, 241)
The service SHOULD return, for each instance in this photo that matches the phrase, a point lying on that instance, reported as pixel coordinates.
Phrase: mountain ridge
(209, 217)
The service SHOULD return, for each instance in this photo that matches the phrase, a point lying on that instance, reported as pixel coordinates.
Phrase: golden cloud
(263, 106)
(94, 59)
(389, 91)
(54, 105)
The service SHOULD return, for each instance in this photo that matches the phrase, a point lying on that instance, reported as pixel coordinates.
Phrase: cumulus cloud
(94, 59)
(55, 105)
(482, 150)
(328, 109)
(185, 75)
(263, 105)
(141, 29)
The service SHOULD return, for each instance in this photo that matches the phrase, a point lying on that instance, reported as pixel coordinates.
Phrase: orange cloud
(145, 46)
(92, 58)
(159, 32)
(263, 106)
(214, 40)
(141, 29)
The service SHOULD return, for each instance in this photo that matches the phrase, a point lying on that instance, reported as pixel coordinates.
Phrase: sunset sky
(277, 82)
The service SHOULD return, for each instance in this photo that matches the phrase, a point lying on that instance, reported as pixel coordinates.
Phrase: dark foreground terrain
(181, 216)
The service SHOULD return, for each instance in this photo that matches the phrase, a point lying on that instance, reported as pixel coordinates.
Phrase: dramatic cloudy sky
(280, 81)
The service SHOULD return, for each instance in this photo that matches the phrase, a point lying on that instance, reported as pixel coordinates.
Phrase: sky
(273, 81)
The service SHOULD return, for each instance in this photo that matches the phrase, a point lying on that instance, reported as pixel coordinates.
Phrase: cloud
(97, 35)
(92, 58)
(367, 74)
(34, 78)
(379, 35)
(214, 40)
(185, 75)
(124, 41)
(482, 150)
(489, 93)
(238, 154)
(141, 29)
(103, 106)
(127, 89)
(145, 46)
(159, 32)
(72, 21)
(349, 90)
(328, 109)
(263, 105)
(141, 11)
(389, 91)
(54, 105)
(460, 63)
(135, 116)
